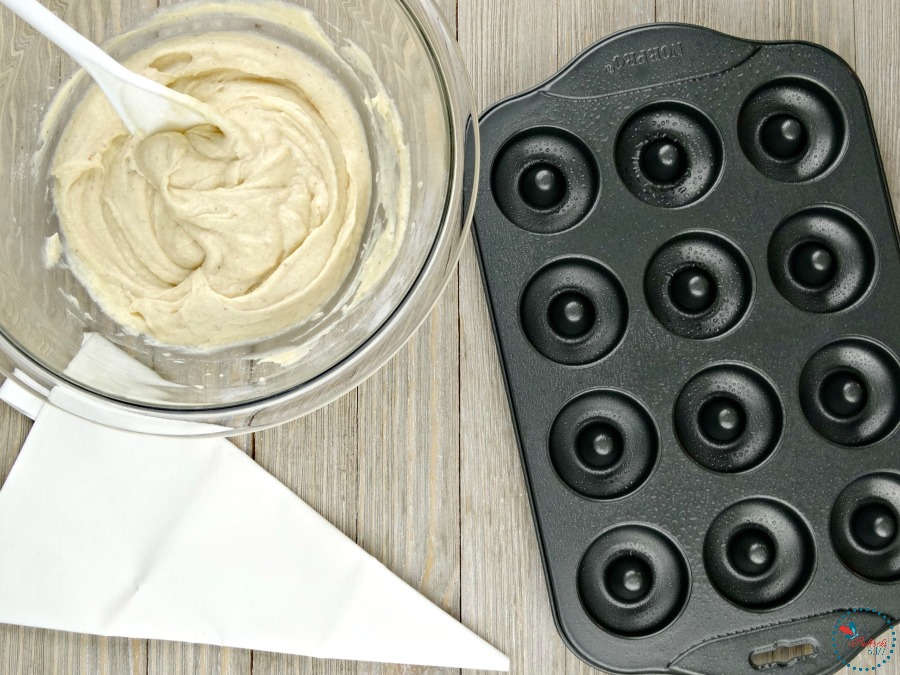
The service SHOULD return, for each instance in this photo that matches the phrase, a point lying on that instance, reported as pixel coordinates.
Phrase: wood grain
(581, 24)
(828, 22)
(508, 47)
(315, 457)
(877, 24)
(419, 465)
(877, 43)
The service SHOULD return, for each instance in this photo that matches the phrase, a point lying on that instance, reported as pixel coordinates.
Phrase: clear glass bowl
(47, 319)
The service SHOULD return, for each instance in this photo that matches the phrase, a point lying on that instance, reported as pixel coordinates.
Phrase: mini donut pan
(692, 267)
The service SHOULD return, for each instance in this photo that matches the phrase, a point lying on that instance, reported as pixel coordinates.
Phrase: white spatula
(146, 107)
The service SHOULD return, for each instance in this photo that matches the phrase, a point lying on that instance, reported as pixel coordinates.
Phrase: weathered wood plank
(179, 658)
(877, 24)
(508, 47)
(317, 458)
(583, 22)
(408, 492)
(877, 46)
(409, 464)
(828, 22)
(26, 651)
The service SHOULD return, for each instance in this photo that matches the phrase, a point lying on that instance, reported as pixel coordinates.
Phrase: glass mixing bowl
(57, 343)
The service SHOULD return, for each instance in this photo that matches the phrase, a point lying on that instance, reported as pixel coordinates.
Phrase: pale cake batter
(220, 235)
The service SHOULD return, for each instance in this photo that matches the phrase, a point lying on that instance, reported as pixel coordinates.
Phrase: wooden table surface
(419, 465)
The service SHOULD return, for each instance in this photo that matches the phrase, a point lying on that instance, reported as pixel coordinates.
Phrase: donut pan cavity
(691, 263)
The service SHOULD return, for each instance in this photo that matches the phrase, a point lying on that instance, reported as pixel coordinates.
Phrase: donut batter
(224, 234)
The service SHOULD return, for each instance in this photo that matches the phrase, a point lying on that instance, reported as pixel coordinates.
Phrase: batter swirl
(218, 235)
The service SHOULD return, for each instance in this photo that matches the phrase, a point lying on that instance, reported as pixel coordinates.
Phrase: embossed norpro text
(643, 56)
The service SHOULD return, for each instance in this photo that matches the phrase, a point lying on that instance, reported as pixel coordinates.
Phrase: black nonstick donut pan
(692, 267)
